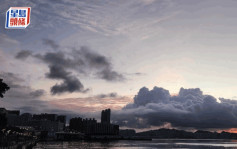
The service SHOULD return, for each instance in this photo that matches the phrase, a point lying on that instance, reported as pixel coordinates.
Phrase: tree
(3, 88)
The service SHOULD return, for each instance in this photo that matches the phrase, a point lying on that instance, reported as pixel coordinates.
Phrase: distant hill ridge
(181, 134)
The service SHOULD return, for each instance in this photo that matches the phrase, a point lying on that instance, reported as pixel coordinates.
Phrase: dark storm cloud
(190, 108)
(57, 72)
(70, 83)
(50, 43)
(83, 61)
(23, 54)
(58, 58)
(92, 61)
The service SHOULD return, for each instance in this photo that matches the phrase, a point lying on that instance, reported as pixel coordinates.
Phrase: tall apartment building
(105, 116)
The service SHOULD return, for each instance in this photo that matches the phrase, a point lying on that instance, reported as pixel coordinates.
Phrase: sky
(155, 63)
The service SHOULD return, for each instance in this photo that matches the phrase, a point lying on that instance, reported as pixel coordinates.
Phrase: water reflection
(156, 143)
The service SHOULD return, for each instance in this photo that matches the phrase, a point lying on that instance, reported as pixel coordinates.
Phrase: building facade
(92, 127)
(105, 116)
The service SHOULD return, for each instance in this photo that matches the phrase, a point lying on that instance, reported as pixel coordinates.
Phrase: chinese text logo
(18, 17)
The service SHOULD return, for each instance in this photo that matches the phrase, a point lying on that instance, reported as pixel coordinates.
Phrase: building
(61, 118)
(41, 122)
(13, 112)
(46, 125)
(25, 119)
(3, 118)
(48, 122)
(92, 127)
(50, 117)
(12, 116)
(105, 116)
(45, 116)
(76, 124)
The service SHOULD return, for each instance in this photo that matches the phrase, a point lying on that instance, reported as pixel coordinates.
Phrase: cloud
(70, 83)
(147, 2)
(109, 75)
(94, 103)
(23, 54)
(24, 98)
(234, 97)
(37, 93)
(110, 95)
(17, 87)
(98, 17)
(20, 94)
(50, 43)
(92, 61)
(189, 109)
(83, 61)
(5, 40)
(139, 74)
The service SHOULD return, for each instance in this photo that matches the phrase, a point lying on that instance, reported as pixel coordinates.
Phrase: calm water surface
(155, 143)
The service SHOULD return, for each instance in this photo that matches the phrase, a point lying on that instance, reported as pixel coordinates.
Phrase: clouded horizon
(153, 62)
